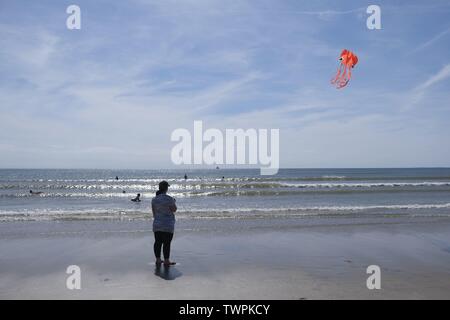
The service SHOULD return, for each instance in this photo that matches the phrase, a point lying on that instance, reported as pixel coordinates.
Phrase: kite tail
(338, 75)
(345, 78)
(348, 76)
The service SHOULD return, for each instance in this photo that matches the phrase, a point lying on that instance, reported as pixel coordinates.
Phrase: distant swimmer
(123, 191)
(137, 199)
(36, 193)
(223, 178)
(185, 176)
(117, 177)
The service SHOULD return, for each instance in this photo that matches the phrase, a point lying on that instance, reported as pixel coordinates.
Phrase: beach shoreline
(313, 262)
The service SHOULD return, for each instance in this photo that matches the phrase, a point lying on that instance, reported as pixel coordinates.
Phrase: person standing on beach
(163, 208)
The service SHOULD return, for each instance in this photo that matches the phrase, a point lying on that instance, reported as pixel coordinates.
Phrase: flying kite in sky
(348, 61)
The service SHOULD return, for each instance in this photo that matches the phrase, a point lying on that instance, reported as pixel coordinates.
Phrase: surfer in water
(137, 199)
(35, 193)
(163, 208)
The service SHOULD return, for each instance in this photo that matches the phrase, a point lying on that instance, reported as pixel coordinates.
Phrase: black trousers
(162, 239)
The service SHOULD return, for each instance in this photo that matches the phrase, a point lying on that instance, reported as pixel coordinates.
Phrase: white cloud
(431, 41)
(419, 92)
(441, 75)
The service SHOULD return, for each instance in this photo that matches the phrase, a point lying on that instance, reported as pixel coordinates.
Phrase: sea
(334, 195)
(302, 195)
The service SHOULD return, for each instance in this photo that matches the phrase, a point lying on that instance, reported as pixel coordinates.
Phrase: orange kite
(348, 61)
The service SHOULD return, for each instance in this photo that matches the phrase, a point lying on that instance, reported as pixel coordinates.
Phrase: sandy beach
(314, 262)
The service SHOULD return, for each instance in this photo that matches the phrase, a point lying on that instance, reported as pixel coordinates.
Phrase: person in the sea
(185, 176)
(137, 199)
(36, 193)
(117, 177)
(163, 208)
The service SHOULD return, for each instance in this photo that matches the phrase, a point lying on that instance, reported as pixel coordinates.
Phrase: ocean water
(357, 194)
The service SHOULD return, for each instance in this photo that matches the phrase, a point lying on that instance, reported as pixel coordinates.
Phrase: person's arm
(153, 209)
(173, 207)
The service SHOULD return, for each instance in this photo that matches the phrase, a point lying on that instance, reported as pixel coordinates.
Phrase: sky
(110, 94)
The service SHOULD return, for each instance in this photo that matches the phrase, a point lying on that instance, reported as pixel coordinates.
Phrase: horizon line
(215, 169)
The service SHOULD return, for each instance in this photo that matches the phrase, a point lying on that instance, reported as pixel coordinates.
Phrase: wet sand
(314, 262)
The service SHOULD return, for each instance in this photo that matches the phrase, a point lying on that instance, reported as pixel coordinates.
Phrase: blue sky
(109, 95)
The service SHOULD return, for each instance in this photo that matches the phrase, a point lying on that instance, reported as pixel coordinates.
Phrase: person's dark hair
(139, 194)
(164, 186)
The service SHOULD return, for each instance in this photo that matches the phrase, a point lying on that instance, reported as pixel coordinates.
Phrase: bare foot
(169, 263)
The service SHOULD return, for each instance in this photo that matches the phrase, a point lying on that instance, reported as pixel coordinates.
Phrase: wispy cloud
(419, 92)
(431, 41)
(441, 75)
